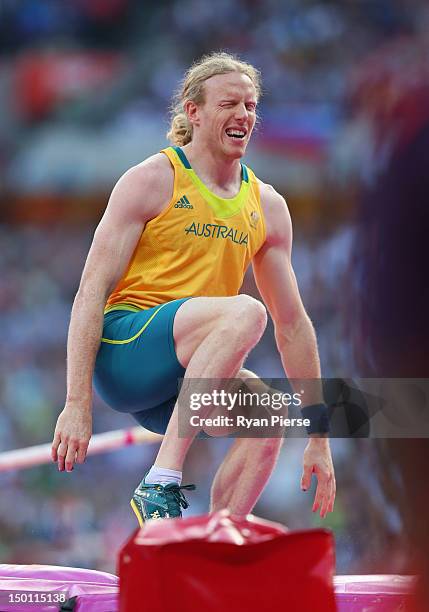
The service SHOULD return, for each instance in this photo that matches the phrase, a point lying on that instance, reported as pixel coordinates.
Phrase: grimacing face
(226, 119)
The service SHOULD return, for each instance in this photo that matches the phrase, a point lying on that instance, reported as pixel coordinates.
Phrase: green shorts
(137, 369)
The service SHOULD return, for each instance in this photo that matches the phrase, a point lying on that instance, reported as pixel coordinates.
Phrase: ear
(192, 111)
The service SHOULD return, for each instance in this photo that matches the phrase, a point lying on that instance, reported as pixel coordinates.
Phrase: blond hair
(192, 88)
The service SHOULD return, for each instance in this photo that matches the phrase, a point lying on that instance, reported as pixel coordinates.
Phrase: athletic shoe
(157, 501)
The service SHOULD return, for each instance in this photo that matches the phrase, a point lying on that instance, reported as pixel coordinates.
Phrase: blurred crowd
(85, 86)
(85, 89)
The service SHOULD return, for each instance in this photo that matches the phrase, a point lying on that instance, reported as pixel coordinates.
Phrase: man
(169, 256)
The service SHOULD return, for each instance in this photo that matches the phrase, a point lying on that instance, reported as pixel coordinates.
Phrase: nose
(241, 112)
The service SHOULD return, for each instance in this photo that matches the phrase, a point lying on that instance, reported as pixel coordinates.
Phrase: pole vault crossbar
(100, 443)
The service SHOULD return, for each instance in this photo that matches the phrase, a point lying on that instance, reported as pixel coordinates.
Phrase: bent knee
(249, 315)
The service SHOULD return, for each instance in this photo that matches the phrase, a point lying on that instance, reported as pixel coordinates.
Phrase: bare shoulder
(276, 213)
(144, 190)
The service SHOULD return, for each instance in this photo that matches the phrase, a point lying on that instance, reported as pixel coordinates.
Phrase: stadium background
(84, 92)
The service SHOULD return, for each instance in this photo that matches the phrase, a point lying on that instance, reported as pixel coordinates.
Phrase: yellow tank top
(200, 245)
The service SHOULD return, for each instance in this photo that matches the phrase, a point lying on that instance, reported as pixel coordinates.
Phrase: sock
(160, 475)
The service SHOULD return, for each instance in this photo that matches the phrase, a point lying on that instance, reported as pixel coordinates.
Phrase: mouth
(236, 133)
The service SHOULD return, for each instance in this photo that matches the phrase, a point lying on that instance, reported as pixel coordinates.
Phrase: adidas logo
(183, 203)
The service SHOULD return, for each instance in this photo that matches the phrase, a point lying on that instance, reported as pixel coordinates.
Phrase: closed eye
(250, 106)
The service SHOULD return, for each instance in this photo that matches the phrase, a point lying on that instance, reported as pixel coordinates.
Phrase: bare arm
(275, 278)
(138, 196)
(295, 335)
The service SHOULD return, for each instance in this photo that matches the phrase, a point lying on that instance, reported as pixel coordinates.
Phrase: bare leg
(213, 337)
(244, 473)
(247, 466)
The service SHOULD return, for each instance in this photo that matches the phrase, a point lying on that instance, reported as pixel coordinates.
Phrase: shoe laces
(177, 494)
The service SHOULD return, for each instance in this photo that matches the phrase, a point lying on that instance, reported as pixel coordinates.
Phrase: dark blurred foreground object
(390, 263)
(222, 562)
(391, 270)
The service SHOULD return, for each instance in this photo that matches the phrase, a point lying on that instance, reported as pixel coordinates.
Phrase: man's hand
(71, 437)
(317, 459)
